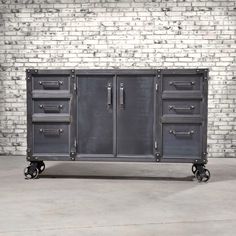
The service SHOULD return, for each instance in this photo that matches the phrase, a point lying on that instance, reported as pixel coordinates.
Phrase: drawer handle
(182, 84)
(181, 133)
(179, 109)
(51, 132)
(51, 84)
(51, 108)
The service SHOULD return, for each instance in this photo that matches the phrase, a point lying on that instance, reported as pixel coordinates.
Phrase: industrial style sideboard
(117, 115)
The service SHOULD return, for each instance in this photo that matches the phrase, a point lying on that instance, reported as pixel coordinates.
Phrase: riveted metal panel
(49, 123)
(183, 100)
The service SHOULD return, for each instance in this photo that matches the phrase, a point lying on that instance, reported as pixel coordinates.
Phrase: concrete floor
(117, 199)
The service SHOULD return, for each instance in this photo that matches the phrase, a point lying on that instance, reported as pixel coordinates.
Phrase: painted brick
(60, 34)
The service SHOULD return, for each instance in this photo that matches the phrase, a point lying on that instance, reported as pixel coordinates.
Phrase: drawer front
(181, 82)
(51, 106)
(181, 107)
(182, 140)
(51, 82)
(51, 138)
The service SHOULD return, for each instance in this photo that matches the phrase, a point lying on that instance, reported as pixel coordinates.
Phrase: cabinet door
(135, 114)
(95, 114)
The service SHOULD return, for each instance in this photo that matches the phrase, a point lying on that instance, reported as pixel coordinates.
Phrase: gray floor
(117, 199)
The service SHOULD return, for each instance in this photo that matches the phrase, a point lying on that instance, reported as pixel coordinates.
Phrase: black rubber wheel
(199, 176)
(29, 174)
(194, 169)
(41, 167)
(206, 176)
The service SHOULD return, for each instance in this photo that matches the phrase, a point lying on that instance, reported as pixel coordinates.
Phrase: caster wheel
(31, 173)
(198, 176)
(194, 169)
(207, 175)
(204, 176)
(41, 167)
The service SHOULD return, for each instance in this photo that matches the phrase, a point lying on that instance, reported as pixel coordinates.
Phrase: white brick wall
(60, 34)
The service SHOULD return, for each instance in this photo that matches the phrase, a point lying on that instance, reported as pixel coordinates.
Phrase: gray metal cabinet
(117, 115)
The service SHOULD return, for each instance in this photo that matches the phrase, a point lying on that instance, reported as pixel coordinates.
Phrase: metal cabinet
(117, 115)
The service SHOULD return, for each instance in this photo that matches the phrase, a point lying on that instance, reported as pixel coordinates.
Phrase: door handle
(122, 100)
(109, 94)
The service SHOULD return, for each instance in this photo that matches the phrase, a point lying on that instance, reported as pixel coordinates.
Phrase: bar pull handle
(122, 101)
(51, 108)
(181, 133)
(182, 109)
(51, 132)
(51, 84)
(182, 84)
(109, 94)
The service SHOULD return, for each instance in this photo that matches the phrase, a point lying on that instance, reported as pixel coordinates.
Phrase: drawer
(182, 140)
(51, 82)
(181, 107)
(181, 82)
(51, 106)
(51, 138)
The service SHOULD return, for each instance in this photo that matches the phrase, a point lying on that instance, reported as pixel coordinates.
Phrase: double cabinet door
(115, 115)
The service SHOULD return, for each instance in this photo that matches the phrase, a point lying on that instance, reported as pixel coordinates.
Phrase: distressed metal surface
(51, 138)
(181, 82)
(181, 107)
(183, 101)
(182, 140)
(135, 114)
(51, 82)
(51, 106)
(102, 120)
(49, 120)
(95, 115)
